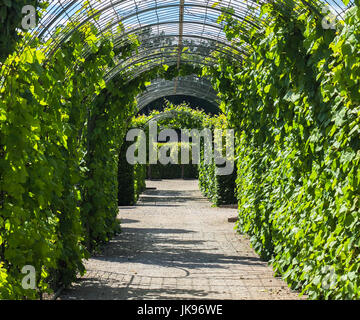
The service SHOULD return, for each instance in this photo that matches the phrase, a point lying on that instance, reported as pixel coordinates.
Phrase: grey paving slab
(174, 245)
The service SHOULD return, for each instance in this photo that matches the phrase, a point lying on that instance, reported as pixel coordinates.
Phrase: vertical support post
(181, 32)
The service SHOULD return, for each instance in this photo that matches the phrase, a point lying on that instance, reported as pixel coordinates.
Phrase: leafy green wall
(184, 118)
(219, 189)
(58, 166)
(294, 103)
(61, 127)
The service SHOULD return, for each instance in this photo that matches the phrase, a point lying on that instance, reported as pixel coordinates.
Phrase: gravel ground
(174, 245)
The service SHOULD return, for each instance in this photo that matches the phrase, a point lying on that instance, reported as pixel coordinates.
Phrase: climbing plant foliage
(176, 117)
(54, 161)
(219, 189)
(61, 130)
(294, 103)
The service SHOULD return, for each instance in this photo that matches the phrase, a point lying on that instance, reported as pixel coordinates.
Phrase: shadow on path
(174, 245)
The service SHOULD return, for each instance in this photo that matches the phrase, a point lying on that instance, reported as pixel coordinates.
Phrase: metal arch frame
(144, 68)
(189, 85)
(229, 50)
(136, 13)
(210, 37)
(111, 5)
(223, 44)
(172, 6)
(122, 39)
(146, 50)
(143, 101)
(156, 55)
(167, 51)
(245, 11)
(178, 22)
(216, 26)
(204, 83)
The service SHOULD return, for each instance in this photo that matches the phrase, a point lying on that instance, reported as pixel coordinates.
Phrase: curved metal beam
(190, 85)
(142, 103)
(149, 11)
(150, 66)
(166, 53)
(192, 36)
(151, 57)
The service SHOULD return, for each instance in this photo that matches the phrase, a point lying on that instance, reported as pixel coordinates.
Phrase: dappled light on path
(174, 245)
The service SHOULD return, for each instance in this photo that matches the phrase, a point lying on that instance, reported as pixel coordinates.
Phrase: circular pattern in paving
(174, 245)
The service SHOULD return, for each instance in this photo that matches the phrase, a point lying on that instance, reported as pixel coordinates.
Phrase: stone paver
(174, 245)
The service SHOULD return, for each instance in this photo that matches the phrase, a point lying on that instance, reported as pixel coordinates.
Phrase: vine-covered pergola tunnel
(285, 75)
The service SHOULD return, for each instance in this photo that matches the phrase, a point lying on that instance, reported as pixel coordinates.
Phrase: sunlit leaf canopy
(170, 32)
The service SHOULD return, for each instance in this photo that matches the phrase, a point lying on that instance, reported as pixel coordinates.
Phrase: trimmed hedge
(126, 185)
(131, 178)
(139, 180)
(219, 189)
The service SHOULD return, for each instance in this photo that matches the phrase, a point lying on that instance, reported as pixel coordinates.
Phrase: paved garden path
(174, 245)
